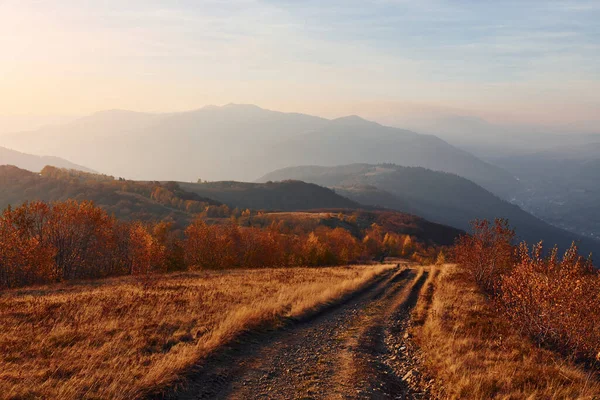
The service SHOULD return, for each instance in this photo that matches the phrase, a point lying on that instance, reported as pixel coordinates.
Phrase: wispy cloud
(464, 53)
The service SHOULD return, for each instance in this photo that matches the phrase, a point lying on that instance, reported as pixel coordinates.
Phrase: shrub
(487, 253)
(554, 300)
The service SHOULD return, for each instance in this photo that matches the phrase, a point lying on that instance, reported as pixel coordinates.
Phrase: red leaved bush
(555, 300)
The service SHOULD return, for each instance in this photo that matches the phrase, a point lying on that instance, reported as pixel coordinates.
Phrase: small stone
(411, 376)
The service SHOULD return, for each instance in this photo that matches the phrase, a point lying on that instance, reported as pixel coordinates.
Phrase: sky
(533, 62)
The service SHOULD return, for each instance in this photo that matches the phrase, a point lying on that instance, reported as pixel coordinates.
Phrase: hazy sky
(516, 61)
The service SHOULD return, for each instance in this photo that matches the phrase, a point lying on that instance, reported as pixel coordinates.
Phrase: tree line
(553, 299)
(43, 243)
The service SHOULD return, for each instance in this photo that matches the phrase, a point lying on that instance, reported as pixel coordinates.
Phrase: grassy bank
(475, 354)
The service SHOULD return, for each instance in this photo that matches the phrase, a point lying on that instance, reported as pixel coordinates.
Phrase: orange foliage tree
(210, 246)
(74, 240)
(217, 246)
(23, 259)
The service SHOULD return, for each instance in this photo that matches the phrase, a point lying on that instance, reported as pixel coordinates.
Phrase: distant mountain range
(244, 141)
(35, 163)
(437, 196)
(488, 141)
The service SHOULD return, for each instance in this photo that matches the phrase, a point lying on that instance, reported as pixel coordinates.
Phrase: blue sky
(513, 60)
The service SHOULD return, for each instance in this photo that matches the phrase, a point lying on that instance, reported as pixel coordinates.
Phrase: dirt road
(354, 350)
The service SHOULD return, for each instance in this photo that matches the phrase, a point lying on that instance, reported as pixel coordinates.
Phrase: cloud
(463, 53)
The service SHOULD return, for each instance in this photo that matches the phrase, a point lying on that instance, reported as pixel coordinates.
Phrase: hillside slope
(170, 201)
(283, 196)
(243, 141)
(436, 196)
(35, 163)
(127, 200)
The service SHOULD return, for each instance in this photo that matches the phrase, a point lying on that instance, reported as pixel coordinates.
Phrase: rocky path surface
(355, 350)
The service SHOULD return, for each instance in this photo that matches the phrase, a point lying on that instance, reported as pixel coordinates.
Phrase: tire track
(375, 359)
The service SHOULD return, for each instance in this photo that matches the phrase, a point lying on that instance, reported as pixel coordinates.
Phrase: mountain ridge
(241, 142)
(35, 163)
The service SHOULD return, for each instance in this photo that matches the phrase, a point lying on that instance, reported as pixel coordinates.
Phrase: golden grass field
(121, 338)
(474, 354)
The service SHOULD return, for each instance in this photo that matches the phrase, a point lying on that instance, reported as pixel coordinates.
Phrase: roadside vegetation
(511, 321)
(474, 352)
(553, 300)
(123, 338)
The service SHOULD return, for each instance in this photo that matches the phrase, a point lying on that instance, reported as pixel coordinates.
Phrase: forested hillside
(127, 200)
(170, 202)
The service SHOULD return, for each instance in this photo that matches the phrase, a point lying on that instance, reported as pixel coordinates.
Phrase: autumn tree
(23, 259)
(80, 234)
(211, 246)
(373, 241)
(344, 247)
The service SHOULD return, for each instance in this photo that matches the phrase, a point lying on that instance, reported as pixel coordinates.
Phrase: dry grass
(474, 354)
(419, 313)
(120, 338)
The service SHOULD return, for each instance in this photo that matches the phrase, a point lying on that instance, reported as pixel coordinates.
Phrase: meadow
(125, 337)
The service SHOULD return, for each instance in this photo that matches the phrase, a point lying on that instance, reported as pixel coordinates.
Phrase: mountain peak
(243, 107)
(353, 120)
(115, 112)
